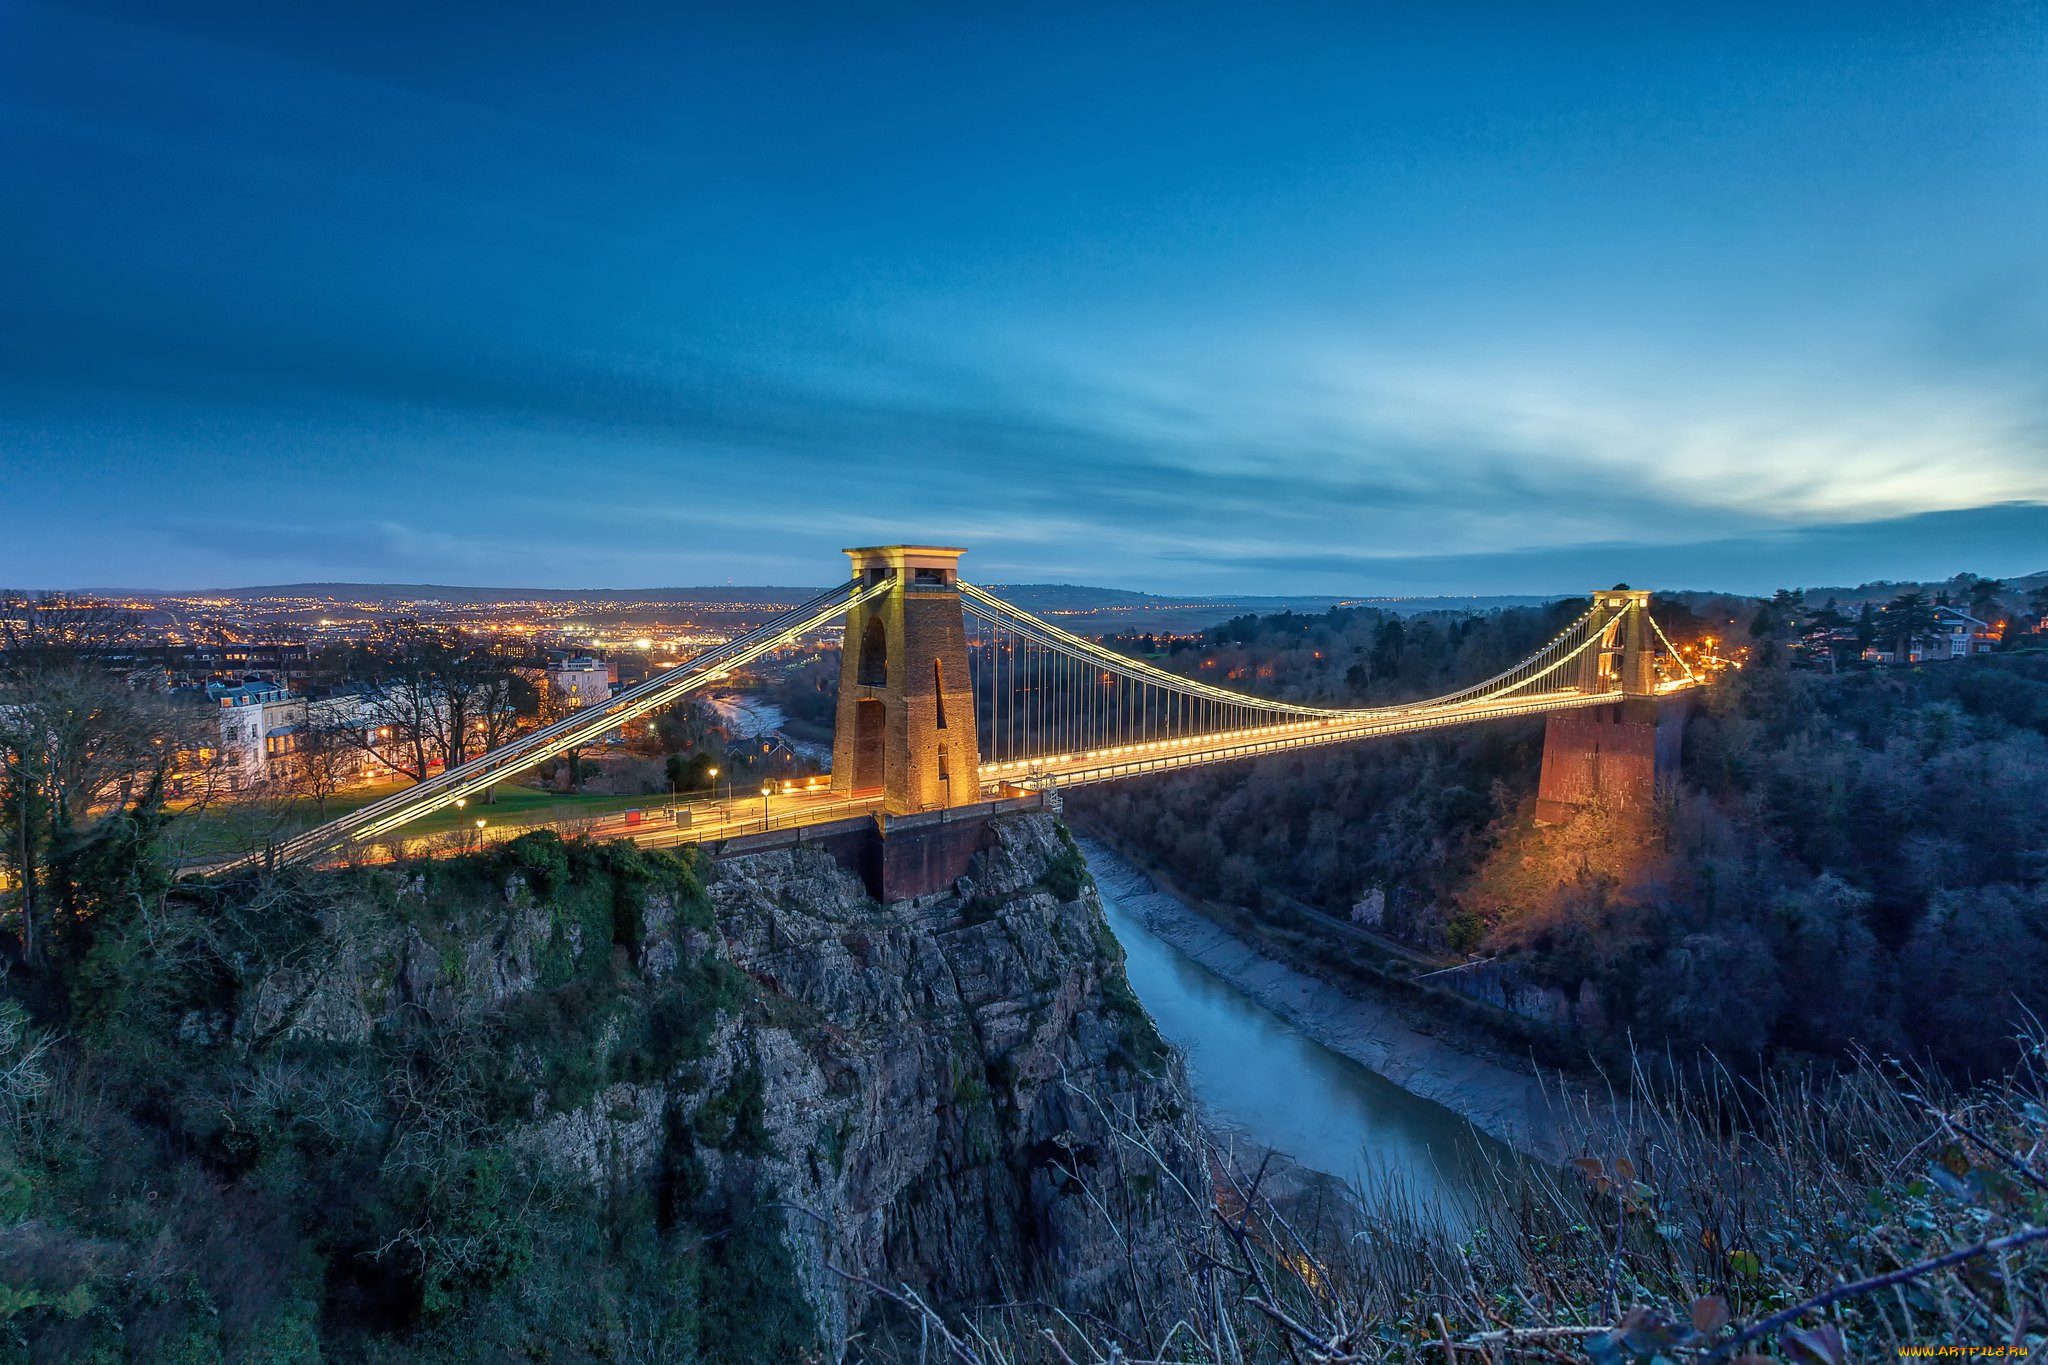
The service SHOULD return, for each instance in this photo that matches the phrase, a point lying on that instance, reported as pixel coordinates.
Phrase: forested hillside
(1852, 858)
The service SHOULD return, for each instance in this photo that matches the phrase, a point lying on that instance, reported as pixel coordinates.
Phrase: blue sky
(1306, 298)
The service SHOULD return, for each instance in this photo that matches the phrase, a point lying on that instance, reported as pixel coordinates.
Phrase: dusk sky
(1345, 298)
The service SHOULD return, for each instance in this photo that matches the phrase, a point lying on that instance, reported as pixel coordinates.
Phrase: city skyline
(1174, 300)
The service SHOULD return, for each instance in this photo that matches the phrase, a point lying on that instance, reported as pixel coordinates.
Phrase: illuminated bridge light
(1244, 724)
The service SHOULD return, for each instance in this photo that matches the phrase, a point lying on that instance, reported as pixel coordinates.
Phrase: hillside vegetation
(1857, 858)
(225, 1157)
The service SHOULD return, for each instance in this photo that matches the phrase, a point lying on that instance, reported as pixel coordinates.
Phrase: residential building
(265, 729)
(255, 716)
(576, 683)
(1957, 634)
(763, 755)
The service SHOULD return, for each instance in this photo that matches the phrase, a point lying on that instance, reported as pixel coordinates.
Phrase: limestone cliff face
(966, 1052)
(921, 1092)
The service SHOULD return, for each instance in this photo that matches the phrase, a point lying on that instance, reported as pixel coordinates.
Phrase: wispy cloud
(315, 309)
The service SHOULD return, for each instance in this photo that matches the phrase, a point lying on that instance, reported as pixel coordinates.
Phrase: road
(1162, 755)
(709, 821)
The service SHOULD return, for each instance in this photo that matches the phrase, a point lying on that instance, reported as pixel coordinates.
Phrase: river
(1261, 1079)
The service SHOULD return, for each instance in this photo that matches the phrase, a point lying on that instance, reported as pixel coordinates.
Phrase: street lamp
(765, 789)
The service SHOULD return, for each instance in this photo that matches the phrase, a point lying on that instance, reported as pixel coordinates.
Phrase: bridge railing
(1046, 695)
(1049, 703)
(579, 728)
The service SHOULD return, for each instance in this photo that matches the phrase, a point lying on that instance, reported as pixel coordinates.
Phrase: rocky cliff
(941, 1105)
(574, 1102)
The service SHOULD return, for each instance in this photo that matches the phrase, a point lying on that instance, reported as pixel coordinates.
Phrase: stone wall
(1618, 754)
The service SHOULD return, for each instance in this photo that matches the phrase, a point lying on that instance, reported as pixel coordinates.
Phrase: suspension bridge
(951, 699)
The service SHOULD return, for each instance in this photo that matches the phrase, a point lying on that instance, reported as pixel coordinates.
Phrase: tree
(1908, 620)
(1978, 954)
(1389, 642)
(1821, 633)
(400, 730)
(325, 759)
(1779, 615)
(438, 698)
(88, 747)
(487, 703)
(688, 774)
(553, 702)
(1983, 594)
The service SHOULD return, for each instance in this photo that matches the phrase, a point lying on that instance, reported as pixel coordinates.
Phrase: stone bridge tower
(906, 708)
(1622, 753)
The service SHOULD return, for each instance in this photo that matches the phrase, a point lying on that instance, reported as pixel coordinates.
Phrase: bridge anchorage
(954, 704)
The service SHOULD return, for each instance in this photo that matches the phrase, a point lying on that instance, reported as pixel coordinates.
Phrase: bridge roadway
(1165, 755)
(1612, 642)
(714, 820)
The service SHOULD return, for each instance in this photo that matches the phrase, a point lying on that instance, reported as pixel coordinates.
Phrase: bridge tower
(1619, 754)
(1624, 658)
(906, 727)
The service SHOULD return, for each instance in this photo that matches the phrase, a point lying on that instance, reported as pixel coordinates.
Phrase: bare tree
(400, 730)
(85, 740)
(324, 761)
(438, 698)
(486, 702)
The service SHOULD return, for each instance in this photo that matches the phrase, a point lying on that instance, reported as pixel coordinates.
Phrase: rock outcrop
(948, 1089)
(920, 1093)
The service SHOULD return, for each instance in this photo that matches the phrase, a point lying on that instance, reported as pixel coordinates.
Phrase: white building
(1955, 635)
(577, 683)
(264, 728)
(254, 719)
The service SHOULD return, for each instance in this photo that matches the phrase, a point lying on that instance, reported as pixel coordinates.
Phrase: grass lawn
(229, 828)
(529, 805)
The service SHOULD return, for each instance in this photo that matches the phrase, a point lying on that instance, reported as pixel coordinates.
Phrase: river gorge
(1343, 1086)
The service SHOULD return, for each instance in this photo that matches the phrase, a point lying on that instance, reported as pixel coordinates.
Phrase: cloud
(2009, 541)
(693, 472)
(698, 323)
(375, 547)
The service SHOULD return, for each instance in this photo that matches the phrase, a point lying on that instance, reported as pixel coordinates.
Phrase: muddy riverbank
(1504, 1101)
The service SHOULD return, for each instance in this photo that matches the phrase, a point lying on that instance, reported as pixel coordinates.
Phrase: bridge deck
(1065, 687)
(1164, 755)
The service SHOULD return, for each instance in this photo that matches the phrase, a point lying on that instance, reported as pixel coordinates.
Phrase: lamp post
(765, 789)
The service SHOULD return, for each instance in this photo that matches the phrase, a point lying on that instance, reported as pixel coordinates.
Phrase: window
(939, 690)
(945, 766)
